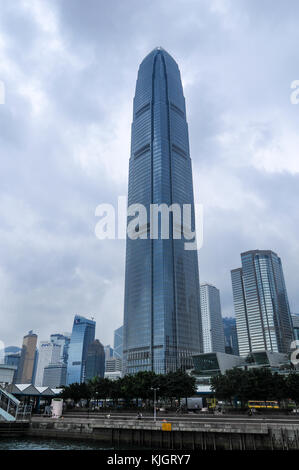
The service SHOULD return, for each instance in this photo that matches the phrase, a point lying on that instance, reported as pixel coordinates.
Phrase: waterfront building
(261, 303)
(230, 336)
(162, 323)
(48, 353)
(212, 325)
(27, 365)
(118, 342)
(55, 375)
(83, 334)
(209, 364)
(64, 341)
(95, 362)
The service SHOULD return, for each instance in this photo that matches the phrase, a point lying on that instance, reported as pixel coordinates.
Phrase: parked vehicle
(192, 403)
(257, 404)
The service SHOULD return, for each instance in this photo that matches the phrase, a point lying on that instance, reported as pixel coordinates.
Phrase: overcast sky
(69, 69)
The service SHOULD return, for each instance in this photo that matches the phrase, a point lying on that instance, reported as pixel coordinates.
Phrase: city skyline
(65, 149)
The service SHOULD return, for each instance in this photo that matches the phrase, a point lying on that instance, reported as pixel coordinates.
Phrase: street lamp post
(155, 404)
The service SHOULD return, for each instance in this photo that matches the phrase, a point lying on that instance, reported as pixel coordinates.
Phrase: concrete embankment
(201, 434)
(14, 429)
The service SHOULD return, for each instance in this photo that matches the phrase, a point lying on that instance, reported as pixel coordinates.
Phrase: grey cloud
(64, 134)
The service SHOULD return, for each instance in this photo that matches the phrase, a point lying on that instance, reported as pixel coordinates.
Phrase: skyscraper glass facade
(230, 335)
(295, 320)
(95, 362)
(118, 343)
(83, 334)
(212, 325)
(261, 303)
(162, 323)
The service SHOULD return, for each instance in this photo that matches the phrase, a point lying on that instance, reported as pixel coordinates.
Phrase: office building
(212, 325)
(83, 334)
(162, 324)
(112, 365)
(118, 343)
(64, 342)
(113, 368)
(13, 359)
(261, 304)
(48, 353)
(7, 374)
(108, 352)
(95, 362)
(295, 321)
(230, 336)
(55, 375)
(27, 365)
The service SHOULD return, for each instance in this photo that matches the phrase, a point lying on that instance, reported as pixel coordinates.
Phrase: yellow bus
(212, 403)
(263, 404)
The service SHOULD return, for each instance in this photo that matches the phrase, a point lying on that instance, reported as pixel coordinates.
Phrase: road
(190, 417)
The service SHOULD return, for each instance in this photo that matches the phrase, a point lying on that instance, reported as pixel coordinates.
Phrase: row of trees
(174, 385)
(255, 384)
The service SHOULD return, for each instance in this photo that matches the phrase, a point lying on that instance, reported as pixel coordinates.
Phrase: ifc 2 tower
(162, 320)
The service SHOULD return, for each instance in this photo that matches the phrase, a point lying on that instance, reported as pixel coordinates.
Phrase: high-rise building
(55, 375)
(64, 342)
(12, 357)
(27, 365)
(113, 365)
(261, 303)
(95, 362)
(230, 335)
(108, 352)
(83, 334)
(295, 320)
(212, 325)
(118, 342)
(162, 324)
(49, 353)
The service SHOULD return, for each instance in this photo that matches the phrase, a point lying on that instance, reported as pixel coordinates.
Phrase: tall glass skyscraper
(261, 303)
(83, 334)
(95, 361)
(162, 323)
(230, 335)
(295, 321)
(118, 343)
(212, 325)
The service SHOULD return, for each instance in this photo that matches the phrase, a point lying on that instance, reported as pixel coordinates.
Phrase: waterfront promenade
(190, 431)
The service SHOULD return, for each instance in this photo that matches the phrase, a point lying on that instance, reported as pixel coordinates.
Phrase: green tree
(292, 387)
(76, 392)
(179, 385)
